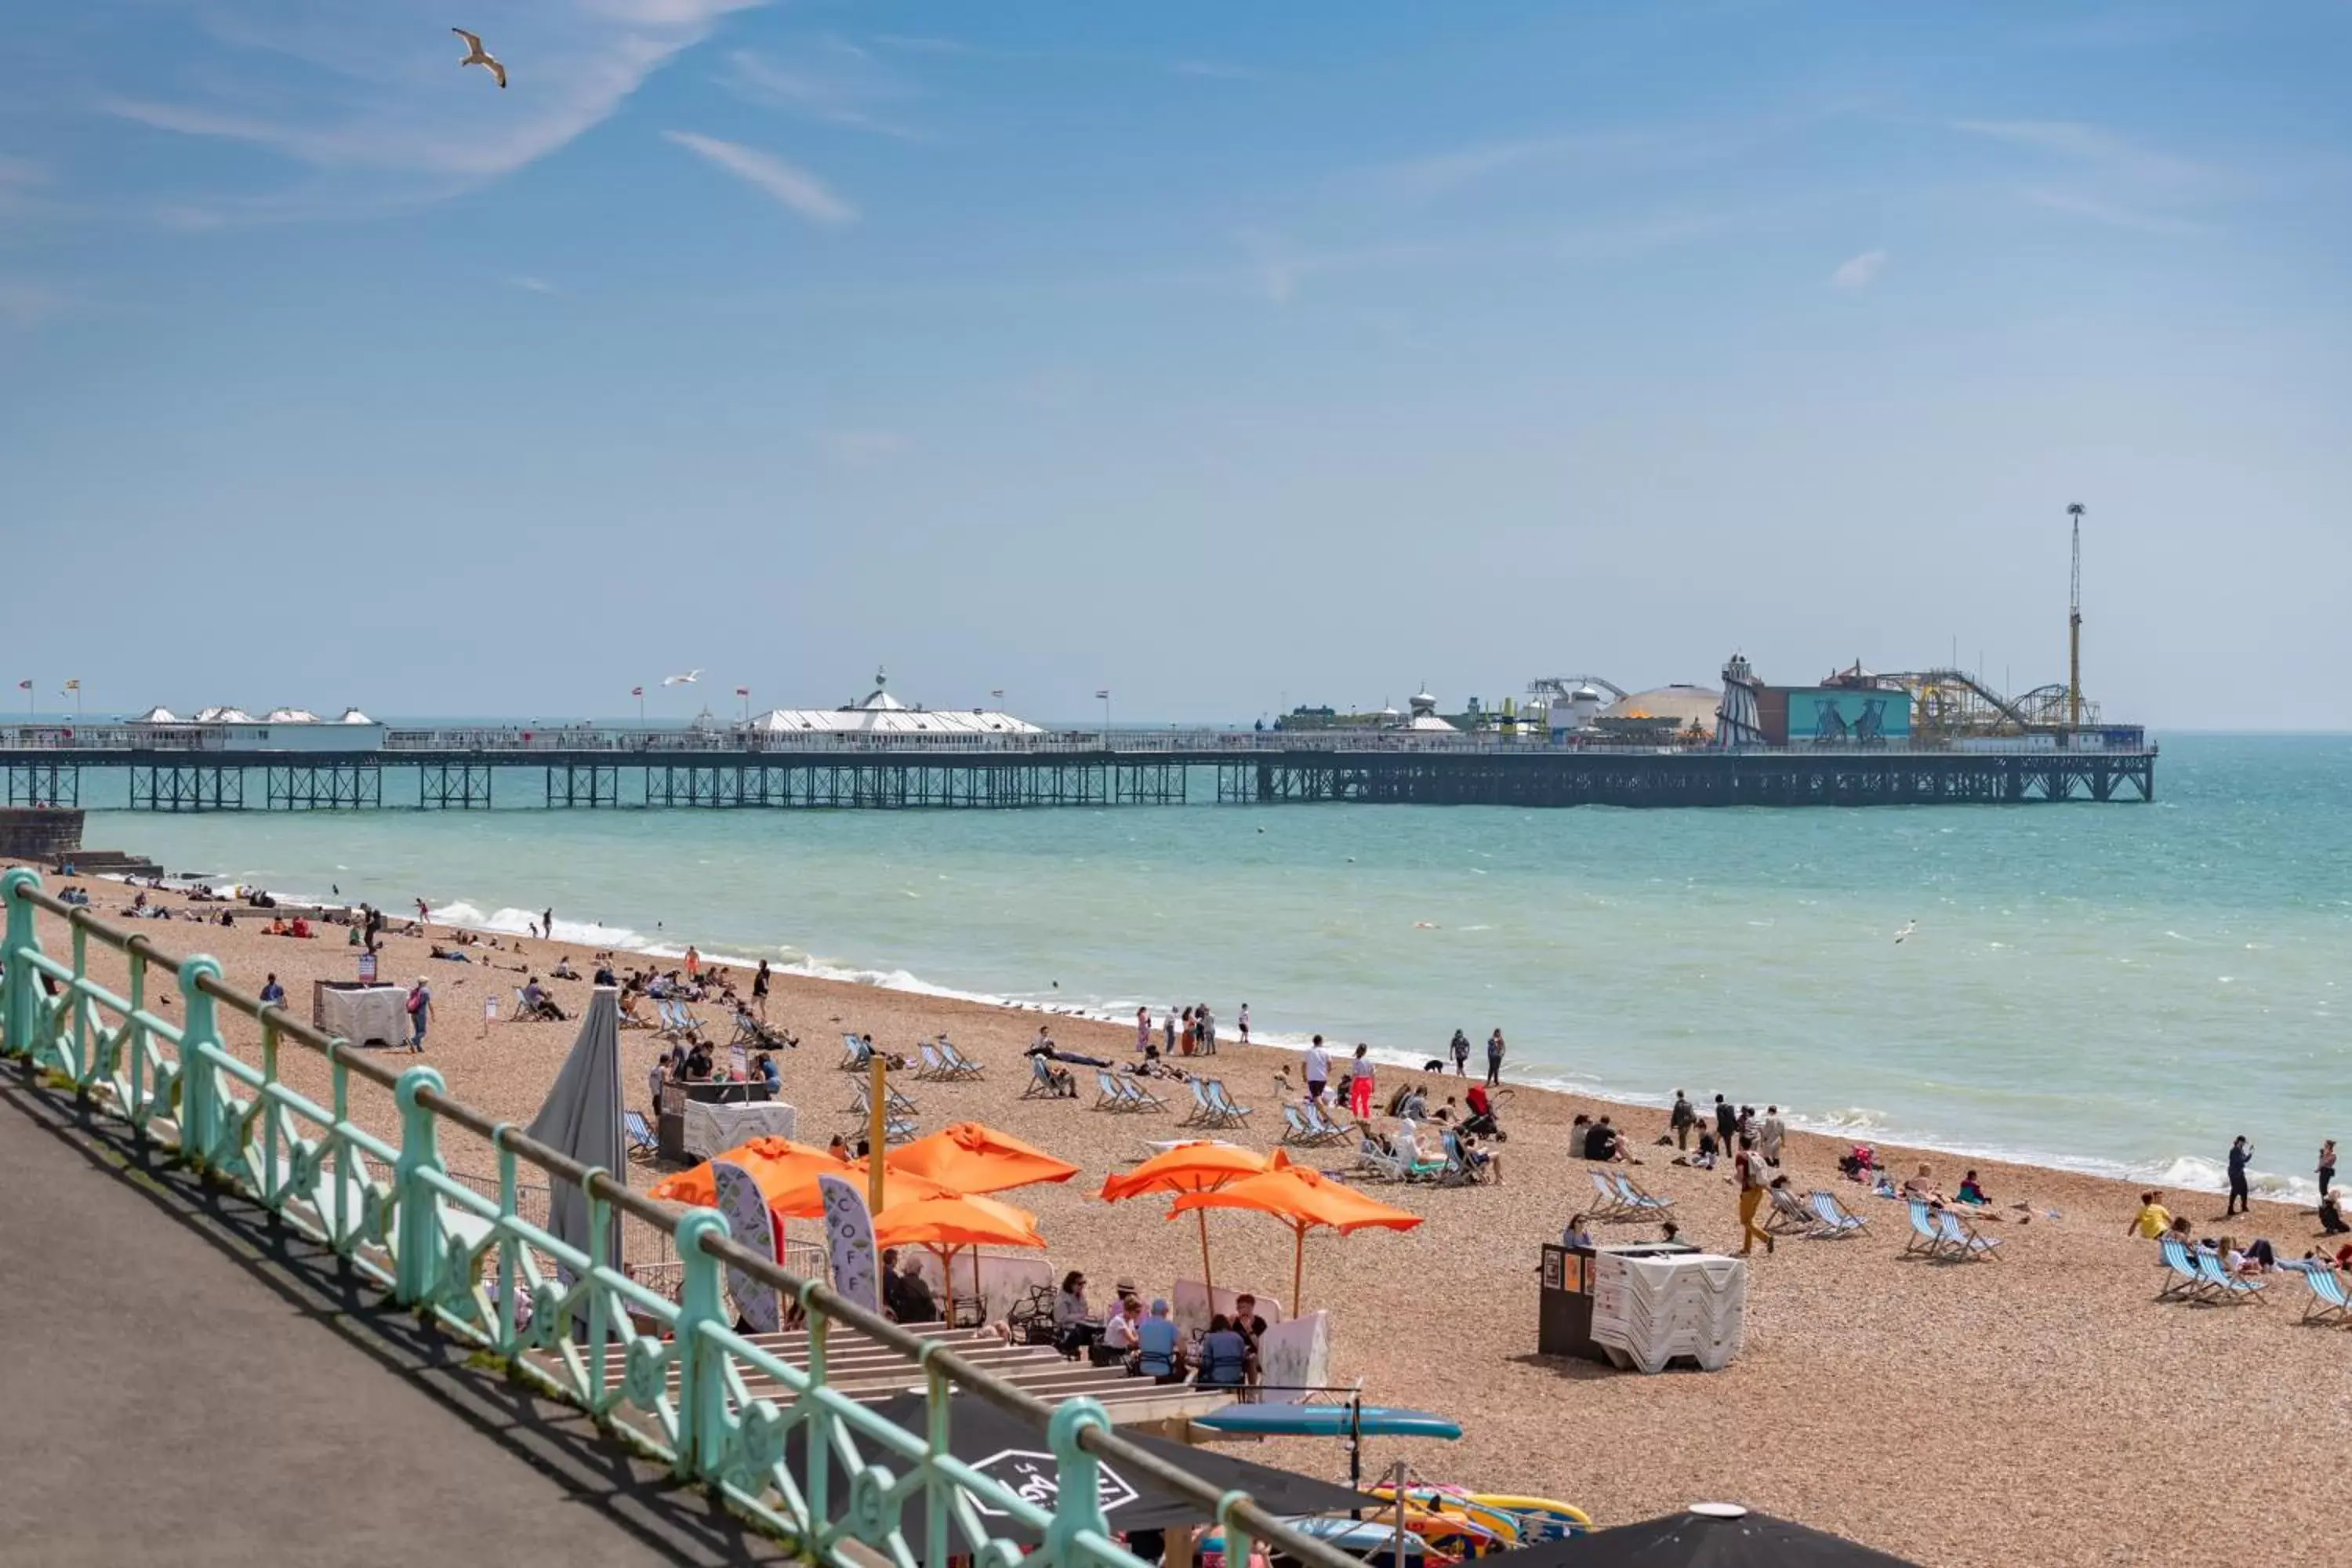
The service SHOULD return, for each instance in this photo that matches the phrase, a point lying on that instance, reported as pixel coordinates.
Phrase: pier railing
(668, 1373)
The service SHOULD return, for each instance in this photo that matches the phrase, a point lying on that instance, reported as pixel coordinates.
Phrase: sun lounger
(1606, 1202)
(1638, 1202)
(1790, 1216)
(1203, 1113)
(933, 1067)
(2226, 1285)
(1836, 1219)
(958, 1064)
(854, 1054)
(1043, 1084)
(1962, 1237)
(1462, 1168)
(1140, 1098)
(2184, 1281)
(1927, 1237)
(1319, 1123)
(2328, 1303)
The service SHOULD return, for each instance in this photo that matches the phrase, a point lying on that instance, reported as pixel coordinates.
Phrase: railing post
(1078, 1505)
(418, 1268)
(701, 1371)
(199, 1079)
(19, 991)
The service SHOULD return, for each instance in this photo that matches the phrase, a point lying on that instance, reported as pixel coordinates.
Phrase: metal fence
(661, 1369)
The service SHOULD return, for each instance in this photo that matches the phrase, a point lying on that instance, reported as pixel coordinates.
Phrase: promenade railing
(661, 1368)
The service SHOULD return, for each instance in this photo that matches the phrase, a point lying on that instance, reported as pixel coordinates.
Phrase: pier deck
(589, 769)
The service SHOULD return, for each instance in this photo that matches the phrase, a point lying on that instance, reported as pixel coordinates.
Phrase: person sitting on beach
(1412, 1105)
(1705, 1159)
(1227, 1360)
(2331, 1214)
(1601, 1142)
(2152, 1218)
(763, 1069)
(1575, 1234)
(563, 970)
(301, 928)
(276, 928)
(1121, 1330)
(1159, 1346)
(538, 1003)
(1971, 1192)
(1922, 1186)
(450, 953)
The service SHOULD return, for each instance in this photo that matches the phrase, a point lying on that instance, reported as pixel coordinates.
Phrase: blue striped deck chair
(1319, 1123)
(1203, 1113)
(1293, 1127)
(1638, 1202)
(2183, 1281)
(1222, 1103)
(2329, 1303)
(1107, 1096)
(932, 1067)
(641, 1138)
(1927, 1237)
(1963, 1239)
(1835, 1217)
(2227, 1287)
(958, 1064)
(1606, 1202)
(1140, 1098)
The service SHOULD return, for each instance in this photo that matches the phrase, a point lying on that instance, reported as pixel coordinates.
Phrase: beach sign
(849, 1236)
(739, 1064)
(1293, 1358)
(749, 1224)
(367, 969)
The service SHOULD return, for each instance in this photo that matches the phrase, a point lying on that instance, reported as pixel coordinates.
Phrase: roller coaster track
(1913, 680)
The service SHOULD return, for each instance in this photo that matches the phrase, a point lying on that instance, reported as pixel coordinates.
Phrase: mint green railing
(482, 1271)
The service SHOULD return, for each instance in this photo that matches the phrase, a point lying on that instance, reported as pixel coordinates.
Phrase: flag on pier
(24, 686)
(73, 686)
(1104, 695)
(637, 692)
(742, 691)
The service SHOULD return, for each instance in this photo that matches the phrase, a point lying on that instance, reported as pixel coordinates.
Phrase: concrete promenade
(181, 1384)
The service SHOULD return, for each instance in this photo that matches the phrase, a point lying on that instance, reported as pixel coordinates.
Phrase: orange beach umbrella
(953, 1220)
(1189, 1168)
(778, 1166)
(1302, 1198)
(973, 1158)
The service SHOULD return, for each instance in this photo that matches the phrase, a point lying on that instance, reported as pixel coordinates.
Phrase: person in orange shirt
(693, 963)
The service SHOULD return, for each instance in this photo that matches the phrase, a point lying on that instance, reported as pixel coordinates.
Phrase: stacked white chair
(1647, 1311)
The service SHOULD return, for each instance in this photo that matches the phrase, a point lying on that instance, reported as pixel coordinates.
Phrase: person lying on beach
(449, 953)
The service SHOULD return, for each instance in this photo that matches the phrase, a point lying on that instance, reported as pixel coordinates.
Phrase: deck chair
(1234, 1115)
(1379, 1163)
(630, 1017)
(747, 1030)
(958, 1064)
(642, 1144)
(1140, 1098)
(1460, 1170)
(898, 1105)
(1927, 1237)
(1203, 1113)
(1639, 1202)
(1108, 1096)
(1964, 1239)
(2183, 1281)
(2226, 1285)
(1295, 1130)
(854, 1052)
(1790, 1216)
(1607, 1202)
(2328, 1303)
(933, 1066)
(1041, 1085)
(1836, 1219)
(1319, 1123)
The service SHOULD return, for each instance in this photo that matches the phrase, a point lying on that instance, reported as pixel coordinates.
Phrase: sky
(1222, 356)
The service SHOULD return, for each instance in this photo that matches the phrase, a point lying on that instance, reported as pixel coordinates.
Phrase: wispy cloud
(935, 44)
(1859, 271)
(2110, 214)
(860, 448)
(1644, 151)
(2075, 141)
(347, 88)
(23, 303)
(793, 186)
(530, 285)
(836, 84)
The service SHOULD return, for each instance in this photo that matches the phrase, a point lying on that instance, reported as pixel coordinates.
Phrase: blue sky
(1223, 355)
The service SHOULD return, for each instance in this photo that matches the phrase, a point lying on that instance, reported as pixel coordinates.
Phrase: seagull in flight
(688, 679)
(1908, 927)
(477, 55)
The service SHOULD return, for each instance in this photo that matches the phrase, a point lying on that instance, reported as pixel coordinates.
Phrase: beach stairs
(1649, 1312)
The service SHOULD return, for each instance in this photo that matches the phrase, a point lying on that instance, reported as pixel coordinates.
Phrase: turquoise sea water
(2117, 988)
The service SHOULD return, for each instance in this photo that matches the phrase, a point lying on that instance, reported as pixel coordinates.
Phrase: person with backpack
(1754, 1178)
(420, 1014)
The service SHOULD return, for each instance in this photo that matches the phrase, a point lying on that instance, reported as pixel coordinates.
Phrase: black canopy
(1706, 1535)
(1013, 1452)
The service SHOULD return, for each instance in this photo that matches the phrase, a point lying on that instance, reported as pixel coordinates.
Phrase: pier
(591, 769)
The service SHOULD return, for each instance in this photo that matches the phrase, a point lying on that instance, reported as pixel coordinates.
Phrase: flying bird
(477, 55)
(688, 679)
(1908, 928)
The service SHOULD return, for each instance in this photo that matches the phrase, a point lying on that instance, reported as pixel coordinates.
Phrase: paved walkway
(175, 1387)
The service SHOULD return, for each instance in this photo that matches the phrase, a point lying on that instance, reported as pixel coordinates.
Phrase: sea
(2118, 989)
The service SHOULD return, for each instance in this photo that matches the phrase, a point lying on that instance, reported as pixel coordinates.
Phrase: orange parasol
(1189, 1168)
(805, 1201)
(950, 1221)
(1302, 1198)
(972, 1158)
(778, 1165)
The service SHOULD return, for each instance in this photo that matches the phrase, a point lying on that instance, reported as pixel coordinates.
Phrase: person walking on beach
(760, 991)
(2241, 1198)
(1754, 1178)
(1461, 1049)
(1168, 1033)
(1360, 1093)
(1143, 1030)
(1319, 1070)
(547, 924)
(2327, 1164)
(1495, 1059)
(693, 965)
(1682, 1118)
(1727, 1121)
(420, 1014)
(1241, 1022)
(1768, 1135)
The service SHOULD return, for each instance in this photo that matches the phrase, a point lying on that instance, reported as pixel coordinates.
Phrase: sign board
(849, 1236)
(367, 969)
(1037, 1477)
(1294, 1357)
(751, 1225)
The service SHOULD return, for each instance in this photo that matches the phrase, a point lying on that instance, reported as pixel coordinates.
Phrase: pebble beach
(2041, 1407)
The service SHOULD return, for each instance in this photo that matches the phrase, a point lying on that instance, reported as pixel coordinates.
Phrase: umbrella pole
(1298, 1264)
(878, 1126)
(1207, 1284)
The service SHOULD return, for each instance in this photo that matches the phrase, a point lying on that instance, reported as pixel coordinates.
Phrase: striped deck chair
(1639, 1202)
(1043, 1084)
(1326, 1131)
(2183, 1281)
(2329, 1303)
(1836, 1219)
(899, 1104)
(1927, 1237)
(1203, 1113)
(929, 1055)
(642, 1142)
(1222, 1102)
(1606, 1202)
(854, 1053)
(958, 1064)
(1462, 1168)
(1140, 1098)
(1790, 1216)
(1108, 1096)
(1295, 1130)
(1963, 1239)
(2226, 1285)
